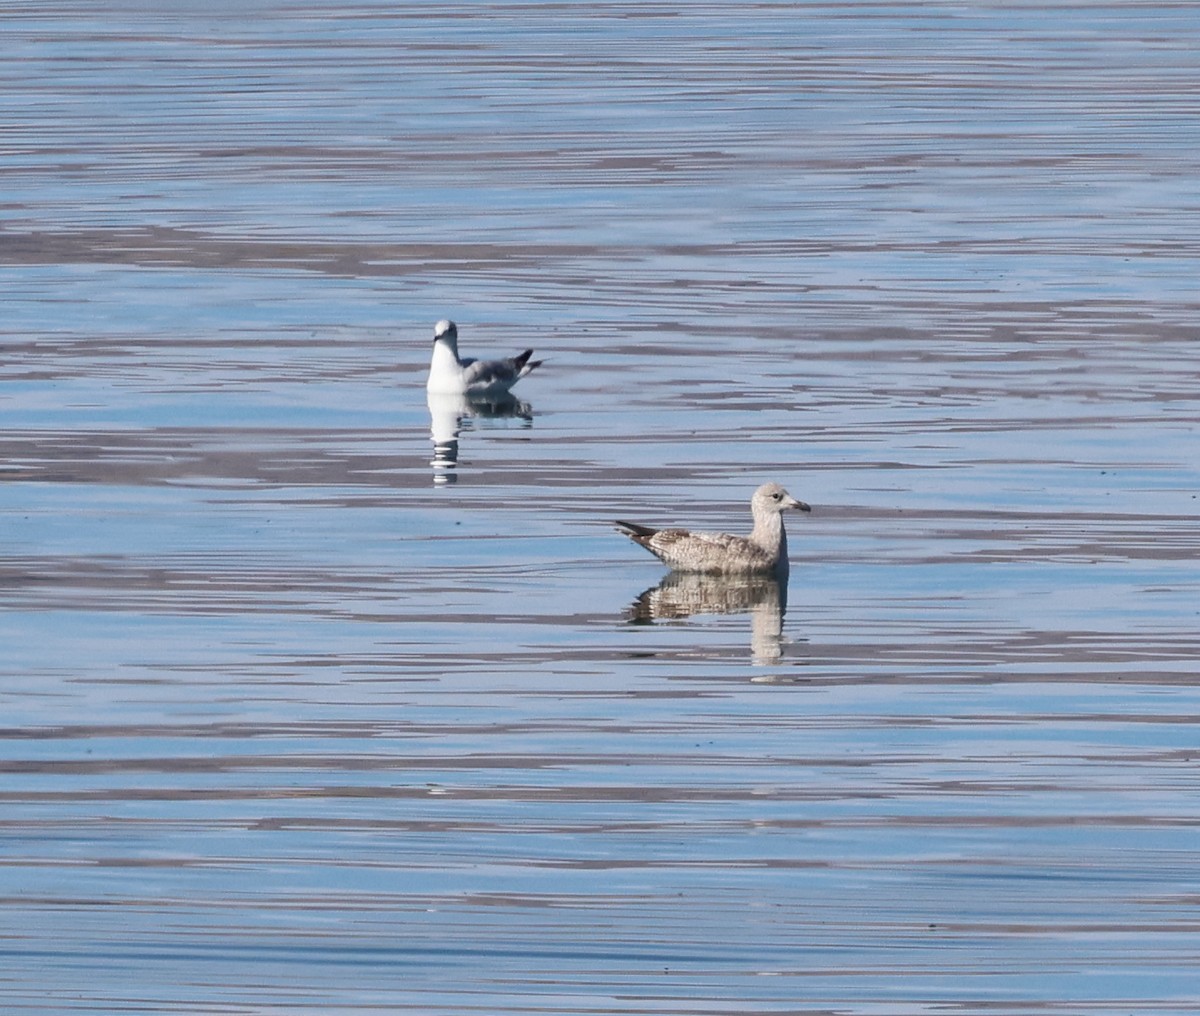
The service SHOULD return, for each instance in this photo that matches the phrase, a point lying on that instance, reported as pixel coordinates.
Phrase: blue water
(295, 721)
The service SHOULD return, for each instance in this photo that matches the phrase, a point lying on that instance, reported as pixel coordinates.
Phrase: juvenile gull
(763, 551)
(452, 376)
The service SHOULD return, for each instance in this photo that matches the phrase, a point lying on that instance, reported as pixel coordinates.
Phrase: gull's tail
(524, 365)
(634, 531)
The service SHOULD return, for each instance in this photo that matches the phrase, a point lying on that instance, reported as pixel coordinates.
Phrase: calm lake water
(296, 721)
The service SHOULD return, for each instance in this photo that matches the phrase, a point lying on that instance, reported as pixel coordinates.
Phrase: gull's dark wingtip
(633, 530)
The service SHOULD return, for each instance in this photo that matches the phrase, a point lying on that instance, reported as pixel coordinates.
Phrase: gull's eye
(776, 497)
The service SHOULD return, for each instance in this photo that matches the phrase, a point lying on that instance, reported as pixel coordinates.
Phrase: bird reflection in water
(682, 594)
(449, 412)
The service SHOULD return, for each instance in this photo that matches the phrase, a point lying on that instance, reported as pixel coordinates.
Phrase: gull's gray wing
(498, 373)
(486, 373)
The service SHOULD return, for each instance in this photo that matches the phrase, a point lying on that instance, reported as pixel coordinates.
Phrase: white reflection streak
(446, 415)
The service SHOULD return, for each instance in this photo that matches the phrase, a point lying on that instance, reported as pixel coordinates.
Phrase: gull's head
(445, 331)
(771, 499)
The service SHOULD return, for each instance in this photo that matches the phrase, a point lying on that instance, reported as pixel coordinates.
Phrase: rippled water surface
(297, 721)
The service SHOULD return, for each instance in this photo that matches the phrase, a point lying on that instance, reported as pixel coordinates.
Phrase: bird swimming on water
(763, 551)
(450, 375)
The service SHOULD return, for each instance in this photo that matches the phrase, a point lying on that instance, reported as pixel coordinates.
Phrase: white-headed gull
(764, 550)
(450, 375)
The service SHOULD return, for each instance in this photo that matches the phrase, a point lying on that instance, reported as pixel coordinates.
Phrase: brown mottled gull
(763, 551)
(450, 375)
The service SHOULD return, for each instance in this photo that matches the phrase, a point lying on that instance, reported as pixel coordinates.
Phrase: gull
(763, 551)
(452, 376)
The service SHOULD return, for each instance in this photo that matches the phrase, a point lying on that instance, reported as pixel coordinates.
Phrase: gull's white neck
(769, 534)
(445, 371)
